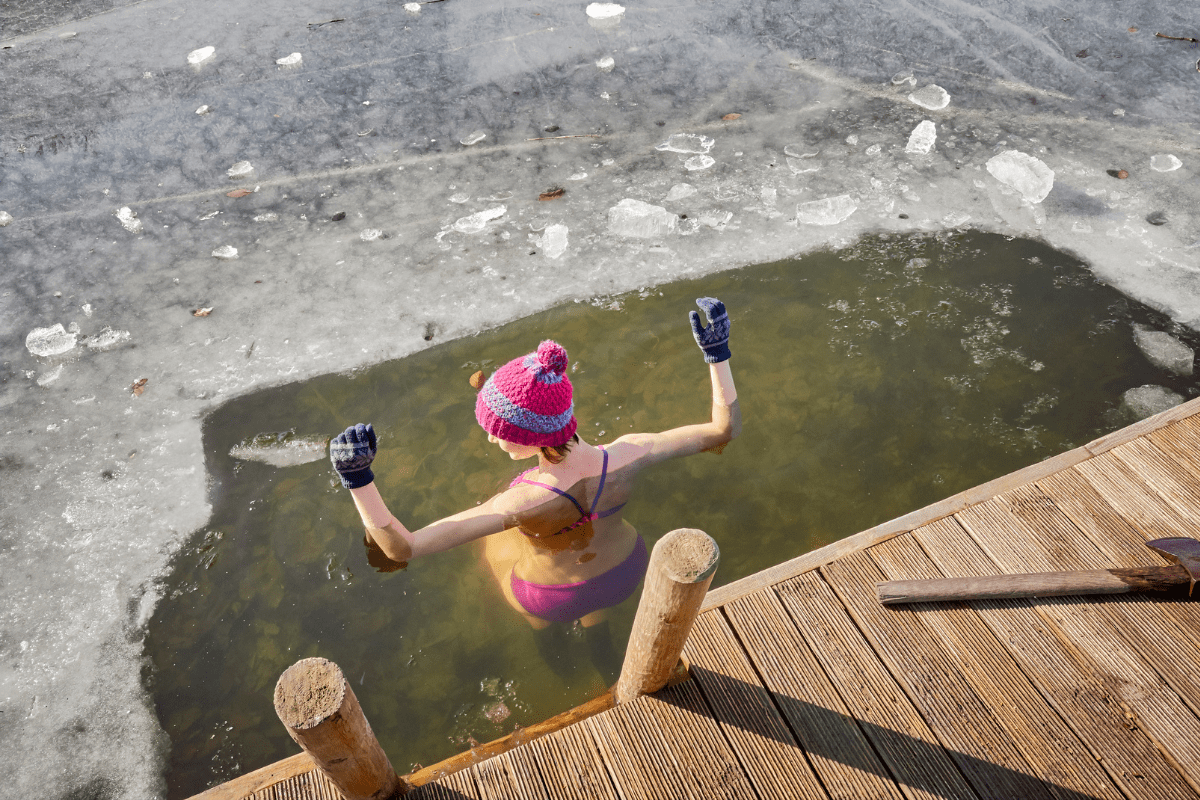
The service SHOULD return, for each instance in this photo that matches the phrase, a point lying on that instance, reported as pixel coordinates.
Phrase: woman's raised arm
(352, 452)
(726, 421)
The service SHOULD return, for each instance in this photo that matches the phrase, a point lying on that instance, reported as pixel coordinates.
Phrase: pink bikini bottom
(566, 602)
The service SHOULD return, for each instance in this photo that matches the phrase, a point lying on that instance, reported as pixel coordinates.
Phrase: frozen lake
(380, 193)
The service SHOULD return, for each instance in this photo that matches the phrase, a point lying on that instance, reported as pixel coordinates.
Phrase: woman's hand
(352, 452)
(713, 340)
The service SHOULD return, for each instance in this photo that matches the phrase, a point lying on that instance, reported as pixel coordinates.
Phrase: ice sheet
(101, 469)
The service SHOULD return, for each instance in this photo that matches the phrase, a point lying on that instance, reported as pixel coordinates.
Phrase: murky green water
(873, 381)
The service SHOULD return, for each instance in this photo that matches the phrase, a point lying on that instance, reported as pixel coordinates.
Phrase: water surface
(872, 381)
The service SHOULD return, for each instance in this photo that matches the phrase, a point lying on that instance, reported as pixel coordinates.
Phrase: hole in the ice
(107, 474)
(874, 380)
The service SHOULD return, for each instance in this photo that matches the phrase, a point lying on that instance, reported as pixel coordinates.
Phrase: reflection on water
(873, 381)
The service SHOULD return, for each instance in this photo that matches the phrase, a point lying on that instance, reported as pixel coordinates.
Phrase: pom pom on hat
(528, 400)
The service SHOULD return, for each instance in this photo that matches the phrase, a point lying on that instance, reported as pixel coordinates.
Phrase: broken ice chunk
(225, 253)
(290, 60)
(50, 377)
(699, 162)
(5, 218)
(577, 176)
(1146, 401)
(460, 198)
(687, 143)
(128, 219)
(371, 234)
(606, 64)
(1022, 172)
(932, 97)
(554, 241)
(826, 211)
(202, 110)
(874, 149)
(198, 57)
(474, 137)
(270, 216)
(717, 220)
(412, 8)
(800, 166)
(921, 140)
(956, 218)
(49, 342)
(281, 449)
(679, 191)
(605, 10)
(1164, 350)
(476, 222)
(1165, 162)
(240, 170)
(904, 76)
(799, 151)
(637, 219)
(107, 339)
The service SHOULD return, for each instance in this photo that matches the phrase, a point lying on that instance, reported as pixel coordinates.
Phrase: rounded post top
(686, 555)
(309, 692)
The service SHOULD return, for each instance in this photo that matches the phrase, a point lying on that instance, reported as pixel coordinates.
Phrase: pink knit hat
(528, 400)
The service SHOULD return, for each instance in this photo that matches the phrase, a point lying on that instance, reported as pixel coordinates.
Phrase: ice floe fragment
(1163, 350)
(128, 219)
(199, 56)
(605, 10)
(717, 220)
(5, 218)
(554, 241)
(679, 191)
(474, 223)
(699, 162)
(956, 219)
(47, 378)
(800, 166)
(290, 60)
(921, 140)
(240, 170)
(606, 64)
(225, 253)
(270, 216)
(371, 234)
(874, 149)
(932, 97)
(412, 8)
(202, 110)
(640, 220)
(1146, 401)
(107, 339)
(474, 137)
(687, 143)
(281, 449)
(1021, 171)
(48, 342)
(459, 198)
(903, 77)
(1165, 162)
(826, 211)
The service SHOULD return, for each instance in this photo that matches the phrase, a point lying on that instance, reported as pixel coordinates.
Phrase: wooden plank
(1181, 441)
(457, 786)
(1143, 427)
(246, 785)
(962, 721)
(837, 748)
(760, 738)
(1087, 697)
(570, 766)
(1122, 489)
(1056, 754)
(668, 745)
(1171, 479)
(901, 737)
(497, 782)
(884, 531)
(311, 785)
(1125, 639)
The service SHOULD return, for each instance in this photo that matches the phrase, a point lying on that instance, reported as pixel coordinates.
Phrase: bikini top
(585, 516)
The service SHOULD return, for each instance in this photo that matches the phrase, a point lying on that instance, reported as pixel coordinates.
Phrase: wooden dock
(803, 685)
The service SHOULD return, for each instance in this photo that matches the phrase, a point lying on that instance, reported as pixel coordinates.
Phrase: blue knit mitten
(352, 452)
(713, 340)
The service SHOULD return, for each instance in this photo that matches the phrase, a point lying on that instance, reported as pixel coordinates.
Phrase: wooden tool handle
(1036, 584)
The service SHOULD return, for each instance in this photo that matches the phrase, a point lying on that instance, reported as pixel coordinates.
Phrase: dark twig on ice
(326, 22)
(1177, 38)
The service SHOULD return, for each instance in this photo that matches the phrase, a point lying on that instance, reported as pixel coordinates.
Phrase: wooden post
(318, 708)
(681, 569)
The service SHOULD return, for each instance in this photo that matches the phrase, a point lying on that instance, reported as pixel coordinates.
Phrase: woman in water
(557, 542)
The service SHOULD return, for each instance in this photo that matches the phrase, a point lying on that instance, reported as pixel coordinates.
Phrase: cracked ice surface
(101, 486)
